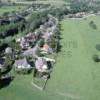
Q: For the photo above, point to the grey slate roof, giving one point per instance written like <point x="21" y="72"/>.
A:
<point x="21" y="62"/>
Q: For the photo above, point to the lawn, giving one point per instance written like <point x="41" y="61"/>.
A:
<point x="75" y="75"/>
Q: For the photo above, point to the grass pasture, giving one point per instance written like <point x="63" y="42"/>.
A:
<point x="75" y="75"/>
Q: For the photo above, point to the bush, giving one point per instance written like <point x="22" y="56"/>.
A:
<point x="93" y="25"/>
<point x="5" y="14"/>
<point x="41" y="42"/>
<point x="96" y="58"/>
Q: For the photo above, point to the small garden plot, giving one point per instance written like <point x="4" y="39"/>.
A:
<point x="39" y="83"/>
<point x="42" y="73"/>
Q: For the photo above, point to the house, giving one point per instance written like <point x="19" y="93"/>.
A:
<point x="16" y="18"/>
<point x="46" y="49"/>
<point x="43" y="67"/>
<point x="18" y="40"/>
<point x="24" y="44"/>
<point x="98" y="13"/>
<point x="34" y="52"/>
<point x="53" y="28"/>
<point x="50" y="31"/>
<point x="30" y="38"/>
<point x="80" y="14"/>
<point x="8" y="50"/>
<point x="22" y="64"/>
<point x="37" y="34"/>
<point x="42" y="27"/>
<point x="41" y="64"/>
<point x="27" y="42"/>
<point x="46" y="36"/>
<point x="52" y="20"/>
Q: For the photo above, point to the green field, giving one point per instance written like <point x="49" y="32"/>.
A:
<point x="4" y="9"/>
<point x="75" y="75"/>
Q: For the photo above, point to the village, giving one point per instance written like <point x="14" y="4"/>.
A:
<point x="49" y="49"/>
<point x="38" y="44"/>
<point x="35" y="51"/>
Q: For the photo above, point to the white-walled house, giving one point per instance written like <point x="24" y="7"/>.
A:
<point x="22" y="64"/>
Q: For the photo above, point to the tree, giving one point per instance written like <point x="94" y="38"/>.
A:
<point x="5" y="14"/>
<point x="7" y="66"/>
<point x="93" y="25"/>
<point x="0" y="74"/>
<point x="0" y="3"/>
<point x="96" y="58"/>
<point x="9" y="1"/>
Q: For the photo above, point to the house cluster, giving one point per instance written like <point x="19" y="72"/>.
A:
<point x="36" y="45"/>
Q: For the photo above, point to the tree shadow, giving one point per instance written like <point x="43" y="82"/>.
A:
<point x="5" y="82"/>
<point x="96" y="58"/>
<point x="49" y="65"/>
<point x="59" y="47"/>
<point x="60" y="38"/>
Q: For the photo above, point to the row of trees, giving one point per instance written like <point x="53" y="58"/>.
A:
<point x="11" y="29"/>
<point x="84" y="6"/>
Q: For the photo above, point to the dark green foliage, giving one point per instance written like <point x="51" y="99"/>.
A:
<point x="84" y="6"/>
<point x="36" y="20"/>
<point x="2" y="48"/>
<point x="40" y="6"/>
<point x="7" y="66"/>
<point x="78" y="6"/>
<point x="92" y="25"/>
<point x="11" y="29"/>
<point x="5" y="13"/>
<point x="40" y="42"/>
<point x="53" y="43"/>
<point x="96" y="58"/>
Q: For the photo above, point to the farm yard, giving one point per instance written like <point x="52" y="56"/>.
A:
<point x="75" y="75"/>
